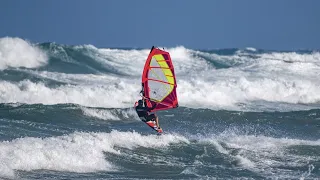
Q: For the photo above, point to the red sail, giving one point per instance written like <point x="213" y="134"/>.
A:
<point x="159" y="81"/>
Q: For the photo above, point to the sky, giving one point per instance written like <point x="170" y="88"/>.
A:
<point x="196" y="24"/>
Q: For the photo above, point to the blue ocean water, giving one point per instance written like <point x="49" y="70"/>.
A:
<point x="66" y="113"/>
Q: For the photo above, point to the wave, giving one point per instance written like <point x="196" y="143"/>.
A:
<point x="77" y="152"/>
<point x="264" y="155"/>
<point x="15" y="52"/>
<point x="110" y="114"/>
<point x="235" y="79"/>
<point x="28" y="92"/>
<point x="62" y="139"/>
<point x="88" y="152"/>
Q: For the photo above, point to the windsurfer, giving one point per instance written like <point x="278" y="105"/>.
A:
<point x="144" y="112"/>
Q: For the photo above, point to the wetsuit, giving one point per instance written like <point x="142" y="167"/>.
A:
<point x="143" y="112"/>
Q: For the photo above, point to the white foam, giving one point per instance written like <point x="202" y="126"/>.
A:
<point x="77" y="152"/>
<point x="110" y="114"/>
<point x="307" y="173"/>
<point x="231" y="91"/>
<point x="131" y="62"/>
<point x="186" y="64"/>
<point x="219" y="147"/>
<point x="263" y="154"/>
<point x="251" y="49"/>
<point x="244" y="162"/>
<point x="190" y="171"/>
<point x="16" y="52"/>
<point x="76" y="79"/>
<point x="292" y="57"/>
<point x="111" y="96"/>
<point x="253" y="81"/>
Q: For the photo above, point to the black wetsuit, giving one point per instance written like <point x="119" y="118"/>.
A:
<point x="143" y="112"/>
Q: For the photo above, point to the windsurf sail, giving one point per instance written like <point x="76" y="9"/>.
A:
<point x="159" y="81"/>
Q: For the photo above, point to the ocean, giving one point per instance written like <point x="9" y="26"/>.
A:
<point x="66" y="112"/>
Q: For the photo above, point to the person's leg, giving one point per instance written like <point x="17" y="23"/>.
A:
<point x="157" y="122"/>
<point x="150" y="117"/>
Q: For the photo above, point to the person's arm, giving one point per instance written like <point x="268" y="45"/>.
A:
<point x="146" y="104"/>
<point x="153" y="106"/>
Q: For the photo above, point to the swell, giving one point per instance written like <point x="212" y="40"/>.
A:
<point x="228" y="154"/>
<point x="197" y="143"/>
<point x="229" y="79"/>
<point x="70" y="117"/>
<point x="85" y="58"/>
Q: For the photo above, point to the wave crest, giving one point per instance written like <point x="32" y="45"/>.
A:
<point x="16" y="52"/>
